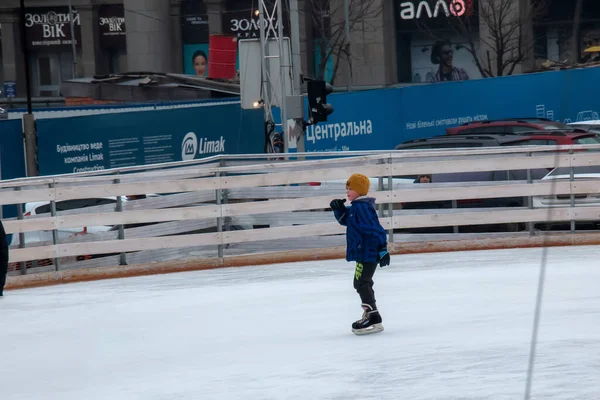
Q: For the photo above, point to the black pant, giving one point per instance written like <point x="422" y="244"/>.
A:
<point x="3" y="258"/>
<point x="3" y="269"/>
<point x="363" y="282"/>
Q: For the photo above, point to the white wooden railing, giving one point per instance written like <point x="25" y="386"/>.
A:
<point x="208" y="208"/>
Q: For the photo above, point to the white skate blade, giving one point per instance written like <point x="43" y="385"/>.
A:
<point x="367" y="331"/>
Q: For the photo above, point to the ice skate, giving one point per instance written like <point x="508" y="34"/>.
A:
<point x="369" y="323"/>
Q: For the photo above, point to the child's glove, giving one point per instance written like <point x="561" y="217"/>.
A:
<point x="384" y="257"/>
<point x="337" y="204"/>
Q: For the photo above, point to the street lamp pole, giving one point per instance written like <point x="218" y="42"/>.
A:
<point x="29" y="131"/>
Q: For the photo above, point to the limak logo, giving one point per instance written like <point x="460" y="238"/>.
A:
<point x="190" y="146"/>
<point x="457" y="8"/>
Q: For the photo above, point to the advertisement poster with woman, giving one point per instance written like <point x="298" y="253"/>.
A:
<point x="196" y="59"/>
<point x="194" y="36"/>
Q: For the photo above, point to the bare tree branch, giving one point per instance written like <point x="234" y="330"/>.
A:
<point x="575" y="50"/>
<point x="502" y="33"/>
<point x="330" y="29"/>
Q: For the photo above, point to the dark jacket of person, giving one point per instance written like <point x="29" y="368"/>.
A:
<point x="3" y="257"/>
<point x="364" y="234"/>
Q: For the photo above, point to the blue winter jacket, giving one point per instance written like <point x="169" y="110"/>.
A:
<point x="364" y="234"/>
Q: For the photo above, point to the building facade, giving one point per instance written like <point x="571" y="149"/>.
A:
<point x="391" y="41"/>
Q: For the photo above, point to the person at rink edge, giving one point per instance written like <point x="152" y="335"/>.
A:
<point x="423" y="179"/>
<point x="366" y="244"/>
<point x="3" y="259"/>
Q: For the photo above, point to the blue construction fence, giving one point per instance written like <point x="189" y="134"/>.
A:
<point x="369" y="120"/>
<point x="12" y="157"/>
<point x="382" y="119"/>
<point x="104" y="141"/>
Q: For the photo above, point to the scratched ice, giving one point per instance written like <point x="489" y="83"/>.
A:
<point x="457" y="326"/>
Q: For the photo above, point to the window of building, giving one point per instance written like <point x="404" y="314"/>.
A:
<point x="540" y="37"/>
<point x="1" y="64"/>
<point x="48" y="71"/>
<point x="114" y="62"/>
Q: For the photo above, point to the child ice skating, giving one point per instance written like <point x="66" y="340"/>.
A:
<point x="366" y="244"/>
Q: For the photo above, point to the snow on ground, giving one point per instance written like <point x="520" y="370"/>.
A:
<point x="457" y="326"/>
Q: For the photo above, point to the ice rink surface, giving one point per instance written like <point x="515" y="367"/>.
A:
<point x="457" y="326"/>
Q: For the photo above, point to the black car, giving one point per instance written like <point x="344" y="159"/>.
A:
<point x="474" y="141"/>
<point x="459" y="141"/>
<point x="466" y="142"/>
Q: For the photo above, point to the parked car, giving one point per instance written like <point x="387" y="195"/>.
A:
<point x="38" y="238"/>
<point x="532" y="138"/>
<point x="480" y="141"/>
<point x="374" y="183"/>
<point x="591" y="172"/>
<point x="592" y="126"/>
<point x="43" y="207"/>
<point x="509" y="125"/>
<point x="459" y="141"/>
<point x="558" y="137"/>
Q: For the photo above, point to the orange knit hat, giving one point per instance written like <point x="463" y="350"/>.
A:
<point x="359" y="183"/>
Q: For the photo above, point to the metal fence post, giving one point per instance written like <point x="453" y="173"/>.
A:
<point x="391" y="202"/>
<point x="55" y="239"/>
<point x="22" y="265"/>
<point x="225" y="200"/>
<point x="571" y="194"/>
<point x="530" y="198"/>
<point x="119" y="208"/>
<point x="380" y="188"/>
<point x="219" y="195"/>
<point x="455" y="206"/>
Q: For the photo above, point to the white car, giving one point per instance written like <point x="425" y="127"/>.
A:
<point x="374" y="183"/>
<point x="43" y="207"/>
<point x="564" y="200"/>
<point x="591" y="125"/>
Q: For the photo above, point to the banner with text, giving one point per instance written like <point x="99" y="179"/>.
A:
<point x="241" y="19"/>
<point x="382" y="119"/>
<point x="97" y="142"/>
<point x="194" y="36"/>
<point x="111" y="26"/>
<point x="50" y="27"/>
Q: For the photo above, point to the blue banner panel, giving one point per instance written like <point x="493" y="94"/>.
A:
<point x="382" y="119"/>
<point x="12" y="157"/>
<point x="97" y="142"/>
